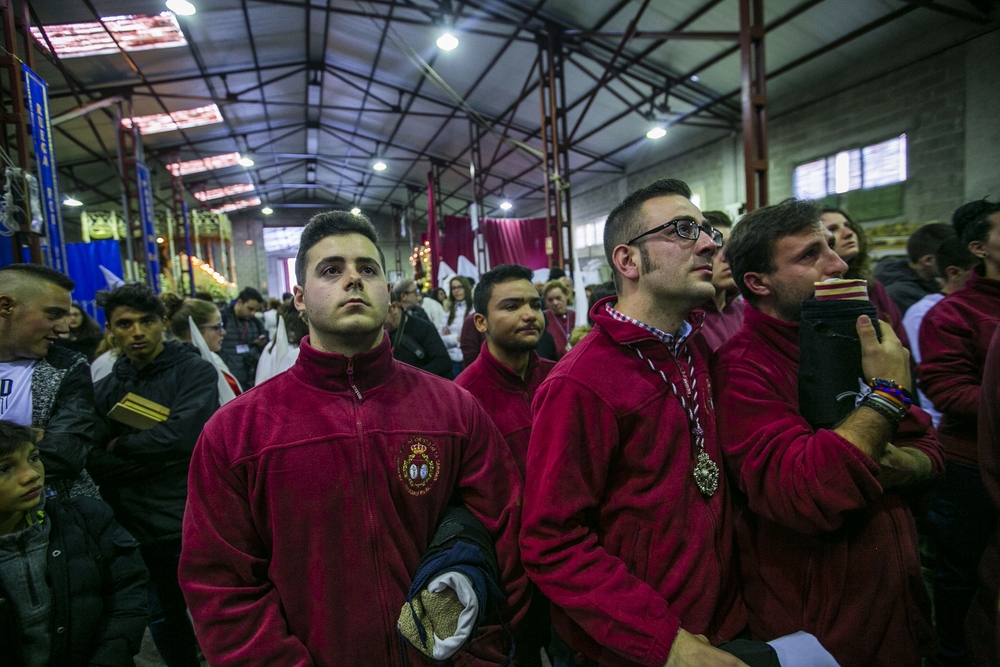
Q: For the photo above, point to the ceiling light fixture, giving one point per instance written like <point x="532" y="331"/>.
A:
<point x="181" y="7"/>
<point x="506" y="206"/>
<point x="379" y="166"/>
<point x="245" y="162"/>
<point x="656" y="133"/>
<point x="447" y="42"/>
<point x="70" y="201"/>
<point x="694" y="77"/>
<point x="267" y="210"/>
<point x="355" y="211"/>
<point x="159" y="239"/>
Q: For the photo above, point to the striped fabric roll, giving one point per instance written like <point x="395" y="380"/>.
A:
<point x="836" y="289"/>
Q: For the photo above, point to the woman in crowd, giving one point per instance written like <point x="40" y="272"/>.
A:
<point x="84" y="333"/>
<point x="451" y="328"/>
<point x="441" y="296"/>
<point x="207" y="318"/>
<point x="851" y="244"/>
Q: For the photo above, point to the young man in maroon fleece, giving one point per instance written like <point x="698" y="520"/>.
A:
<point x="827" y="542"/>
<point x="954" y="338"/>
<point x="504" y="379"/>
<point x="627" y="524"/>
<point x="313" y="496"/>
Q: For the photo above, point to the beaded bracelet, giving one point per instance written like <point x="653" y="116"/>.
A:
<point x="892" y="387"/>
<point x="888" y="410"/>
<point x="899" y="402"/>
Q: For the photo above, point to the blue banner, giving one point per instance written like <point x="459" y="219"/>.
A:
<point x="147" y="217"/>
<point x="37" y="97"/>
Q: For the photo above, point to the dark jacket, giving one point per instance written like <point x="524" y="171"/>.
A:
<point x="98" y="583"/>
<point x="144" y="478"/>
<point x="62" y="397"/>
<point x="416" y="342"/>
<point x="238" y="333"/>
<point x="904" y="286"/>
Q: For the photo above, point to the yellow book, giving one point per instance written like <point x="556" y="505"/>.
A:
<point x="139" y="412"/>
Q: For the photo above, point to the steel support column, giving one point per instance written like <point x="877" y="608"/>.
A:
<point x="127" y="139"/>
<point x="754" y="96"/>
<point x="555" y="154"/>
<point x="476" y="175"/>
<point x="14" y="118"/>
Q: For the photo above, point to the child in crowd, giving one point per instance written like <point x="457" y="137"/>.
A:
<point x="72" y="583"/>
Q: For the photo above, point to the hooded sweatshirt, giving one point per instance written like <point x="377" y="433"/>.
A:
<point x="823" y="547"/>
<point x="334" y="476"/>
<point x="903" y="285"/>
<point x="616" y="532"/>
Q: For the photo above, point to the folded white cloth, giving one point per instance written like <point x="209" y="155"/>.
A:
<point x="447" y="647"/>
<point x="802" y="650"/>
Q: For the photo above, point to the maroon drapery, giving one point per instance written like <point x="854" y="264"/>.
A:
<point x="516" y="241"/>
<point x="458" y="239"/>
<point x="432" y="229"/>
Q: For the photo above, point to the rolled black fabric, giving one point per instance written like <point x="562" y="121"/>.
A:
<point x="830" y="359"/>
<point x="753" y="653"/>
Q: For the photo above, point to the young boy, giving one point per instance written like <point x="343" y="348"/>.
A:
<point x="72" y="583"/>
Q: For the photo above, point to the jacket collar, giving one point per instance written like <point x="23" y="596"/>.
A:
<point x="782" y="335"/>
<point x="711" y="306"/>
<point x="329" y="372"/>
<point x="979" y="283"/>
<point x="504" y="376"/>
<point x="626" y="333"/>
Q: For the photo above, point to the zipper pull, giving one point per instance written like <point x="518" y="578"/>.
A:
<point x="350" y="378"/>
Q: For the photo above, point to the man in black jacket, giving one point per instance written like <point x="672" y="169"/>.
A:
<point x="43" y="385"/>
<point x="908" y="280"/>
<point x="245" y="337"/>
<point x="415" y="341"/>
<point x="143" y="473"/>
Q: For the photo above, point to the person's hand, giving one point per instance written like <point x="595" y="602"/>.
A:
<point x="260" y="341"/>
<point x="887" y="360"/>
<point x="446" y="331"/>
<point x="901" y="466"/>
<point x="694" y="651"/>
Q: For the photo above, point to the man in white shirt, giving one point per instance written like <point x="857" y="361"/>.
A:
<point x="954" y="262"/>
<point x="43" y="385"/>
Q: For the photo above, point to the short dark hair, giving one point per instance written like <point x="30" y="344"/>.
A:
<point x="333" y="223"/>
<point x="496" y="276"/>
<point x="751" y="246"/>
<point x="250" y="294"/>
<point x="952" y="252"/>
<point x="287" y="296"/>
<point x="136" y="296"/>
<point x="718" y="219"/>
<point x="201" y="295"/>
<point x="13" y="437"/>
<point x="40" y="272"/>
<point x="625" y="220"/>
<point x="927" y="239"/>
<point x="598" y="293"/>
<point x="971" y="221"/>
<point x="556" y="273"/>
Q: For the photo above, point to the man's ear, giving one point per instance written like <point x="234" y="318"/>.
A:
<point x="624" y="258"/>
<point x="978" y="248"/>
<point x="480" y="321"/>
<point x="759" y="284"/>
<point x="6" y="305"/>
<point x="298" y="298"/>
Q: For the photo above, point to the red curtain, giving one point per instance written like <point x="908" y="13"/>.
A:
<point x="432" y="229"/>
<point x="516" y="241"/>
<point x="458" y="239"/>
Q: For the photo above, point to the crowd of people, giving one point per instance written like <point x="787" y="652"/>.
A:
<point x="648" y="485"/>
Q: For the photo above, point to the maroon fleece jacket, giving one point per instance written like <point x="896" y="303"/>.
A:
<point x="823" y="547"/>
<point x="506" y="396"/>
<point x="560" y="333"/>
<point x="954" y="338"/>
<point x="615" y="532"/>
<point x="312" y="498"/>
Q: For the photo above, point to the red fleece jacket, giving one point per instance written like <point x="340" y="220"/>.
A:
<point x="954" y="338"/>
<point x="823" y="547"/>
<point x="506" y="396"/>
<point x="561" y="328"/>
<point x="615" y="531"/>
<point x="312" y="498"/>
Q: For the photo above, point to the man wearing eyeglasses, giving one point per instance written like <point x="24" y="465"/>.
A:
<point x="626" y="521"/>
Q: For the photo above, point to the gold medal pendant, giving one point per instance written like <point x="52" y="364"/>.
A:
<point x="706" y="474"/>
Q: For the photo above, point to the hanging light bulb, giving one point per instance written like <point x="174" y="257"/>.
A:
<point x="506" y="206"/>
<point x="267" y="210"/>
<point x="355" y="211"/>
<point x="246" y="162"/>
<point x="379" y="166"/>
<point x="70" y="201"/>
<point x="656" y="133"/>
<point x="181" y="7"/>
<point x="447" y="42"/>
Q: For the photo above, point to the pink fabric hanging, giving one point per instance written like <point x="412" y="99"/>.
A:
<point x="516" y="241"/>
<point x="458" y="239"/>
<point x="432" y="229"/>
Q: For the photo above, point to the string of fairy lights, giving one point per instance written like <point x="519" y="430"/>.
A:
<point x="420" y="260"/>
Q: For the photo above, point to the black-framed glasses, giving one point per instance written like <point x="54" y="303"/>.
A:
<point x="686" y="229"/>
<point x="214" y="327"/>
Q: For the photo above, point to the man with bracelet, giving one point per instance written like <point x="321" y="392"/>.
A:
<point x="827" y="540"/>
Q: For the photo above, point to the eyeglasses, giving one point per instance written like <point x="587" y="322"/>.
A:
<point x="412" y="291"/>
<point x="686" y="229"/>
<point x="214" y="327"/>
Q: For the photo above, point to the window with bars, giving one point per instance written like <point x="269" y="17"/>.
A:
<point x="879" y="164"/>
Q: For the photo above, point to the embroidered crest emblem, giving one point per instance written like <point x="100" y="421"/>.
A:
<point x="418" y="465"/>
